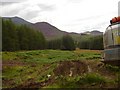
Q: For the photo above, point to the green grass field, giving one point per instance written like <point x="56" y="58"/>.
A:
<point x="57" y="69"/>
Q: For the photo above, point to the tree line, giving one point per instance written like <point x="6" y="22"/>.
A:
<point x="23" y="37"/>
<point x="64" y="43"/>
<point x="20" y="37"/>
<point x="67" y="43"/>
<point x="92" y="43"/>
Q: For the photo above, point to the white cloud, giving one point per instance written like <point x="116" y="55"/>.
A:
<point x="68" y="15"/>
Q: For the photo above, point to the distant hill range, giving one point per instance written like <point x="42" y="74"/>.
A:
<point x="50" y="31"/>
<point x="93" y="33"/>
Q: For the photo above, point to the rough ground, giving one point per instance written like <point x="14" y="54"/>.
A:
<point x="57" y="69"/>
<point x="65" y="68"/>
<point x="70" y="68"/>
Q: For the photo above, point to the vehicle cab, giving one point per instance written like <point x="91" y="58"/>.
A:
<point x="111" y="39"/>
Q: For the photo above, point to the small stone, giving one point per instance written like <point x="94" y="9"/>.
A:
<point x="48" y="75"/>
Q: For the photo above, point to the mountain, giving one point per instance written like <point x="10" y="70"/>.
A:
<point x="49" y="31"/>
<point x="93" y="33"/>
<point x="96" y="33"/>
<point x="18" y="20"/>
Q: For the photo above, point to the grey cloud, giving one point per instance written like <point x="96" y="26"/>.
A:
<point x="13" y="12"/>
<point x="103" y="23"/>
<point x="13" y="0"/>
<point x="89" y="18"/>
<point x="6" y="3"/>
<point x="30" y="15"/>
<point x="99" y="26"/>
<point x="44" y="7"/>
<point x="9" y="2"/>
<point x="119" y="8"/>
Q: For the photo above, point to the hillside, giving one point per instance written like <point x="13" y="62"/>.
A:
<point x="18" y="20"/>
<point x="50" y="31"/>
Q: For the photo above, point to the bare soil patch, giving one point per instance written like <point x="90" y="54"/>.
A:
<point x="70" y="68"/>
<point x="12" y="63"/>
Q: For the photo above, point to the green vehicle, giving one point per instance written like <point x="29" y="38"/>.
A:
<point x="111" y="39"/>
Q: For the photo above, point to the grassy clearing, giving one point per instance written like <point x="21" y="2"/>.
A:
<point x="48" y="56"/>
<point x="36" y="69"/>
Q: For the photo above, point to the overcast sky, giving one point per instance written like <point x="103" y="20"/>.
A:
<point x="67" y="15"/>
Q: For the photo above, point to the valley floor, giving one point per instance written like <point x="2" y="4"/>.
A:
<point x="58" y="69"/>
